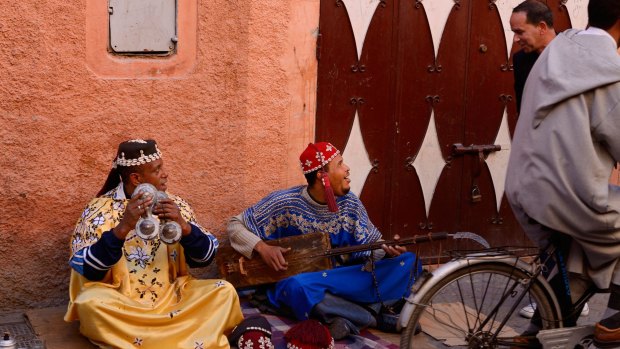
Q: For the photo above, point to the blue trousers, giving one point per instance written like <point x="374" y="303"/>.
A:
<point x="347" y="292"/>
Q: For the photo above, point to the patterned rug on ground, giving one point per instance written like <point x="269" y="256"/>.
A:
<point x="279" y="326"/>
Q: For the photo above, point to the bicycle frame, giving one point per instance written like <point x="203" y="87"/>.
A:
<point x="424" y="284"/>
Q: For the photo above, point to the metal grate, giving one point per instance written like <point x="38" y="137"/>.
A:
<point x="23" y="334"/>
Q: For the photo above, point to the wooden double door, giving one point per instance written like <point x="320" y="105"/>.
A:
<point x="419" y="95"/>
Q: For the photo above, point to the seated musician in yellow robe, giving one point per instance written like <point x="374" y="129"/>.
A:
<point x="129" y="292"/>
<point x="348" y="298"/>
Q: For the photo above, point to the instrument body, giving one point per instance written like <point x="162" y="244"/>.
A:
<point x="302" y="258"/>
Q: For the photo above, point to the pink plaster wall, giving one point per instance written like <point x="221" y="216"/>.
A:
<point x="230" y="125"/>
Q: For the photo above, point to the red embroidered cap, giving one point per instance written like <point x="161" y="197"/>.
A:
<point x="316" y="156"/>
<point x="309" y="334"/>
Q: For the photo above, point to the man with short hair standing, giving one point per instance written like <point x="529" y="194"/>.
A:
<point x="565" y="145"/>
<point x="129" y="292"/>
<point x="532" y="24"/>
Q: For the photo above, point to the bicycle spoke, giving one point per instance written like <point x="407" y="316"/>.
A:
<point x="438" y="315"/>
<point x="477" y="307"/>
<point x="463" y="303"/>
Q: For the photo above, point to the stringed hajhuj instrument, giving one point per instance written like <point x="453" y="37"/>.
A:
<point x="243" y="272"/>
<point x="309" y="252"/>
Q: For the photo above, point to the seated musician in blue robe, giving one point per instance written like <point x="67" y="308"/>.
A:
<point x="351" y="296"/>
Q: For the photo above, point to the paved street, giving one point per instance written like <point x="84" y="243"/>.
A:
<point x="597" y="304"/>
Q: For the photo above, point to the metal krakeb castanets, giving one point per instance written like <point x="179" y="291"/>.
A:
<point x="148" y="226"/>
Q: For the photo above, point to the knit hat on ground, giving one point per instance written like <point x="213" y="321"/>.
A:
<point x="309" y="334"/>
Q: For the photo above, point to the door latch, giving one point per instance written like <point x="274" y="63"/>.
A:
<point x="482" y="150"/>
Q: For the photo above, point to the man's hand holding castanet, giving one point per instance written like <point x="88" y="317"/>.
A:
<point x="136" y="208"/>
<point x="167" y="210"/>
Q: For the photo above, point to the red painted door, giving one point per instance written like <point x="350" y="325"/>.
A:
<point x="397" y="94"/>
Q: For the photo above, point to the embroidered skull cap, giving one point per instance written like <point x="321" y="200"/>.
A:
<point x="316" y="156"/>
<point x="136" y="152"/>
<point x="254" y="332"/>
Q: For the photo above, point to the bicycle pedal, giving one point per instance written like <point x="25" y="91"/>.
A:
<point x="566" y="338"/>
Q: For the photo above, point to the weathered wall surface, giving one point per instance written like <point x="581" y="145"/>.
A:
<point x="231" y="124"/>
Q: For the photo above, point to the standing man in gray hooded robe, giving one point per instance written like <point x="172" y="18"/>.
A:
<point x="565" y="146"/>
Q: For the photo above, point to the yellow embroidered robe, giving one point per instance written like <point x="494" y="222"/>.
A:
<point x="147" y="300"/>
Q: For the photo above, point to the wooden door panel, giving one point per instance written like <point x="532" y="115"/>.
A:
<point x="480" y="217"/>
<point x="416" y="83"/>
<point x="509" y="226"/>
<point x="451" y="74"/>
<point x="374" y="199"/>
<point x="350" y="86"/>
<point x="376" y="111"/>
<point x="561" y="18"/>
<point x="409" y="215"/>
<point x="445" y="210"/>
<point x="488" y="91"/>
<point x="337" y="82"/>
<point x="488" y="76"/>
<point x="448" y="106"/>
<point x="374" y="84"/>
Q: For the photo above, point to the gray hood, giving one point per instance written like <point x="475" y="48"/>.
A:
<point x="562" y="78"/>
<point x="564" y="148"/>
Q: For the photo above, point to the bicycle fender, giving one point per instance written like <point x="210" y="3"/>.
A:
<point x="424" y="283"/>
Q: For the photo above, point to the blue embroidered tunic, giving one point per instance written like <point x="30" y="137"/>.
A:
<point x="292" y="212"/>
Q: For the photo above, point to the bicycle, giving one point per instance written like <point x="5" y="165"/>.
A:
<point x="473" y="301"/>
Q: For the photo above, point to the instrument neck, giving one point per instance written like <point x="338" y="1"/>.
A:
<point x="377" y="245"/>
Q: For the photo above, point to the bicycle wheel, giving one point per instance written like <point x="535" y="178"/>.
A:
<point x="467" y="308"/>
